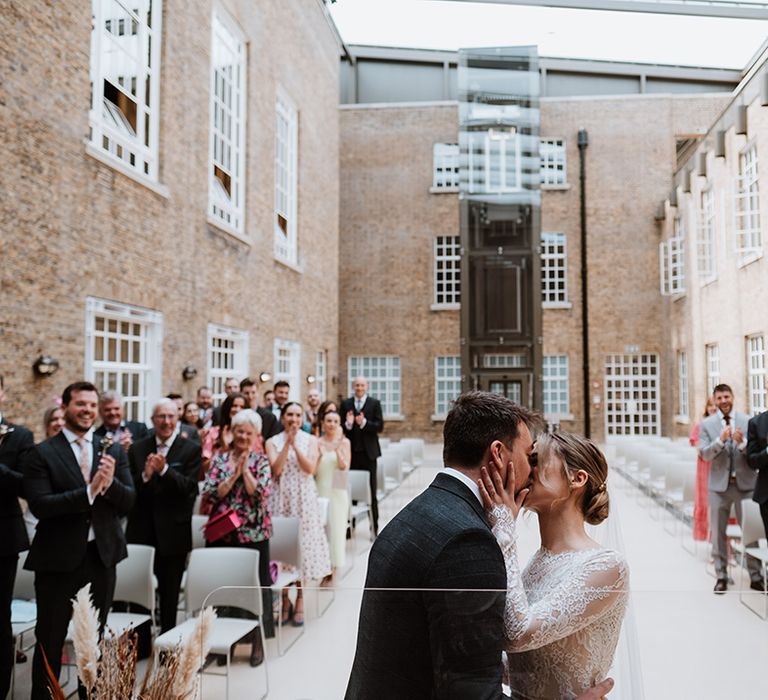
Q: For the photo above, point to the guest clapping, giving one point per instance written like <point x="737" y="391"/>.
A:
<point x="293" y="455"/>
<point x="219" y="437"/>
<point x="335" y="453"/>
<point x="240" y="479"/>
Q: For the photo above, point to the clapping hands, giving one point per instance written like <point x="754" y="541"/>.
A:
<point x="104" y="476"/>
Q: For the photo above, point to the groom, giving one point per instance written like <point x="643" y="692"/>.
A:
<point x="441" y="635"/>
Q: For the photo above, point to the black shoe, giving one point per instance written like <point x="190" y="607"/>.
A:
<point x="721" y="586"/>
<point x="257" y="653"/>
<point x="758" y="586"/>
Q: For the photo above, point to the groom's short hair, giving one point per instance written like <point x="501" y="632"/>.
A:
<point x="476" y="419"/>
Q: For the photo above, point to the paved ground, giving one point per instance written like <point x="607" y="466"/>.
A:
<point x="691" y="643"/>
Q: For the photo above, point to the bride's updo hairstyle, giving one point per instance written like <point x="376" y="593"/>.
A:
<point x="576" y="452"/>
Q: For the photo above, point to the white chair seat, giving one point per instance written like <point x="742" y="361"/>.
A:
<point x="119" y="622"/>
<point x="226" y="632"/>
<point x="733" y="532"/>
<point x="21" y="628"/>
<point x="285" y="579"/>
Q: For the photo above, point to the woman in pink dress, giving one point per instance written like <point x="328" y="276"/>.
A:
<point x="700" y="506"/>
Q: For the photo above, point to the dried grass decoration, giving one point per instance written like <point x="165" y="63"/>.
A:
<point x="107" y="667"/>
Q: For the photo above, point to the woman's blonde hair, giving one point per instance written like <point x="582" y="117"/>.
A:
<point x="579" y="453"/>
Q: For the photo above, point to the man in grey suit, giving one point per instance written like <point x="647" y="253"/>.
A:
<point x="723" y="442"/>
<point x="431" y="620"/>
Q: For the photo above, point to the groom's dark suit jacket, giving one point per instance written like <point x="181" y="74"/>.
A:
<point x="423" y="642"/>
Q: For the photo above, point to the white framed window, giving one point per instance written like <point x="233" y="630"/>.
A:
<point x="447" y="271"/>
<point x="672" y="261"/>
<point x="494" y="162"/>
<point x="498" y="360"/>
<point x="748" y="238"/>
<point x="712" y="354"/>
<point x="632" y="394"/>
<point x="445" y="167"/>
<point x="226" y="181"/>
<point x="124" y="353"/>
<point x="227" y="357"/>
<point x="554" y="273"/>
<point x="552" y="162"/>
<point x="288" y="366"/>
<point x="286" y="179"/>
<point x="756" y="373"/>
<point x="555" y="387"/>
<point x="383" y="375"/>
<point x="447" y="383"/>
<point x="125" y="71"/>
<point x="321" y="373"/>
<point x="682" y="385"/>
<point x="705" y="241"/>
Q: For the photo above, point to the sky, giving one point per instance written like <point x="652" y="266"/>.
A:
<point x="613" y="36"/>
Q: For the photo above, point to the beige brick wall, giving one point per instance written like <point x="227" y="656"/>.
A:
<point x="727" y="309"/>
<point x="74" y="227"/>
<point x="389" y="220"/>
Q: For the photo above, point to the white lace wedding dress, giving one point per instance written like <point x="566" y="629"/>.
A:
<point x="562" y="616"/>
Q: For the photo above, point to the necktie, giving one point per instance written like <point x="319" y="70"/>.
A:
<point x="358" y="405"/>
<point x="162" y="449"/>
<point x="729" y="447"/>
<point x="85" y="466"/>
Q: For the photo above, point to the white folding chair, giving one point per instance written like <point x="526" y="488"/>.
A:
<point x="24" y="607"/>
<point x="392" y="466"/>
<point x="198" y="536"/>
<point x="360" y="491"/>
<point x="221" y="576"/>
<point x="417" y="450"/>
<point x="752" y="530"/>
<point x="134" y="583"/>
<point x="285" y="547"/>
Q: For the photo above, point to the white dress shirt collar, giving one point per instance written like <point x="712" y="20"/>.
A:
<point x="466" y="480"/>
<point x="361" y="401"/>
<point x="72" y="437"/>
<point x="168" y="443"/>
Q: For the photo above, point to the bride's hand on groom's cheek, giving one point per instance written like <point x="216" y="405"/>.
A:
<point x="495" y="490"/>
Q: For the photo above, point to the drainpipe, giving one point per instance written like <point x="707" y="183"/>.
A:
<point x="583" y="142"/>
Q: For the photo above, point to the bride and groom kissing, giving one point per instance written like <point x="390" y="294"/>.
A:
<point x="445" y="596"/>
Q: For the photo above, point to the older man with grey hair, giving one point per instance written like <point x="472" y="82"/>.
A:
<point x="165" y="468"/>
<point x="112" y="414"/>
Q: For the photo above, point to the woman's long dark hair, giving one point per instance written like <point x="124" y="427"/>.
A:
<point x="317" y="426"/>
<point x="225" y="420"/>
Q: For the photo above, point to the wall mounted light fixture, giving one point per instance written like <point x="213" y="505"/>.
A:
<point x="45" y="365"/>
<point x="265" y="377"/>
<point x="311" y="379"/>
<point x="189" y="372"/>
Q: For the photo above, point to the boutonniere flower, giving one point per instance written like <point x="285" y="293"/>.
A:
<point x="184" y="434"/>
<point x="5" y="429"/>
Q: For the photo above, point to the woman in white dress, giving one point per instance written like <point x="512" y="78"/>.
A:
<point x="293" y="455"/>
<point x="563" y="615"/>
<point x="335" y="453"/>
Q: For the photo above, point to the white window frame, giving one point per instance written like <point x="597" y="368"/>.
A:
<point x="552" y="171"/>
<point x="672" y="263"/>
<point x="447" y="383"/>
<point x="556" y="397"/>
<point x="131" y="148"/>
<point x="632" y="394"/>
<point x="287" y="366"/>
<point x="705" y="240"/>
<point x="119" y="325"/>
<point x="447" y="269"/>
<point x="226" y="207"/>
<point x="226" y="356"/>
<point x="682" y="387"/>
<point x="712" y="355"/>
<point x="286" y="179"/>
<point x="748" y="243"/>
<point x="384" y="380"/>
<point x="321" y="373"/>
<point x="488" y="157"/>
<point x="445" y="168"/>
<point x="554" y="269"/>
<point x="755" y="346"/>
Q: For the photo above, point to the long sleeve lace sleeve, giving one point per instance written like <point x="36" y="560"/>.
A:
<point x="594" y="584"/>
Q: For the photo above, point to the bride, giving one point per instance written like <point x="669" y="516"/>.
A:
<point x="563" y="615"/>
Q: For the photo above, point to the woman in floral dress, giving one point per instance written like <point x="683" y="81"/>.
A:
<point x="241" y="479"/>
<point x="293" y="455"/>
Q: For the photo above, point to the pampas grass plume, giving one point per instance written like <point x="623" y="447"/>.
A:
<point x="192" y="655"/>
<point x="85" y="623"/>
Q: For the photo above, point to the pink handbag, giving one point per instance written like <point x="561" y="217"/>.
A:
<point x="222" y="524"/>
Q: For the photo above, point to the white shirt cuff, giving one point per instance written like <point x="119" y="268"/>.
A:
<point x="362" y="425"/>
<point x="91" y="497"/>
<point x="165" y="469"/>
<point x="349" y="425"/>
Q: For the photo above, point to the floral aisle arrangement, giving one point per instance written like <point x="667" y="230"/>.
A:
<point x="106" y="667"/>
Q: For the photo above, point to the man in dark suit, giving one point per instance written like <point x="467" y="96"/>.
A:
<point x="164" y="469"/>
<point x="112" y="415"/>
<point x="14" y="442"/>
<point x="363" y="421"/>
<point x="269" y="424"/>
<point x="78" y="489"/>
<point x="757" y="455"/>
